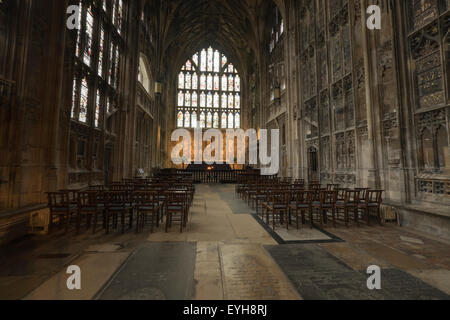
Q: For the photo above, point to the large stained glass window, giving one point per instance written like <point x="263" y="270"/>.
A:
<point x="208" y="87"/>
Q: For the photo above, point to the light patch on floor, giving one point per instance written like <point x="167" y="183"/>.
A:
<point x="212" y="220"/>
<point x="439" y="279"/>
<point x="302" y="234"/>
<point x="249" y="273"/>
<point x="411" y="240"/>
<point x="96" y="269"/>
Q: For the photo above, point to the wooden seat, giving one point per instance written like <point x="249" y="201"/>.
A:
<point x="60" y="205"/>
<point x="175" y="206"/>
<point x="302" y="202"/>
<point x="277" y="204"/>
<point x="145" y="203"/>
<point x="372" y="201"/>
<point x="350" y="202"/>
<point x="332" y="187"/>
<point x="89" y="206"/>
<point x="326" y="203"/>
<point x="117" y="202"/>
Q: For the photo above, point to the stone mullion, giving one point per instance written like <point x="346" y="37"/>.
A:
<point x="372" y="180"/>
<point x="357" y="162"/>
<point x="317" y="74"/>
<point x="329" y="87"/>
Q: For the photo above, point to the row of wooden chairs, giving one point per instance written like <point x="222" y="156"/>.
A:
<point x="282" y="199"/>
<point x="153" y="201"/>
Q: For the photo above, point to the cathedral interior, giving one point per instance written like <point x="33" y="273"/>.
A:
<point x="91" y="92"/>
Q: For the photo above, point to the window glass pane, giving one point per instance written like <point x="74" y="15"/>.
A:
<point x="216" y="83"/>
<point x="202" y="100"/>
<point x="237" y="120"/>
<point x="209" y="120"/>
<point x="230" y="121"/>
<point x="194" y="119"/>
<point x="202" y="82"/>
<point x="97" y="109"/>
<point x="216" y="100"/>
<point x="209" y="101"/>
<point x="101" y="52"/>
<point x="237" y="101"/>
<point x="224" y="83"/>
<point x="230" y="83"/>
<point x="180" y="99"/>
<point x="187" y="118"/>
<point x="180" y="119"/>
<point x="209" y="82"/>
<point x="187" y="99"/>
<point x="224" y="101"/>
<point x="202" y="120"/>
<point x="195" y="58"/>
<point x="203" y="61"/>
<point x="230" y="101"/>
<point x="188" y="81"/>
<point x="216" y="61"/>
<point x="82" y="116"/>
<point x="216" y="120"/>
<point x="210" y="59"/>
<point x="89" y="32"/>
<point x="181" y="81"/>
<point x="194" y="81"/>
<point x="194" y="99"/>
<point x="224" y="120"/>
<point x="74" y="97"/>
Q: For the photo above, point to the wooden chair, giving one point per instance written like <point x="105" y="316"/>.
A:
<point x="60" y="205"/>
<point x="89" y="207"/>
<point x="326" y="202"/>
<point x="145" y="203"/>
<point x="301" y="203"/>
<point x="350" y="202"/>
<point x="332" y="187"/>
<point x="277" y="205"/>
<point x="175" y="205"/>
<point x="372" y="201"/>
<point x="116" y="202"/>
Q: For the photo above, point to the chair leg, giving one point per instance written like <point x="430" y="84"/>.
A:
<point x="333" y="213"/>
<point x="368" y="216"/>
<point x="94" y="228"/>
<point x="78" y="222"/>
<point x="346" y="216"/>
<point x="123" y="221"/>
<point x="356" y="213"/>
<point x="67" y="222"/>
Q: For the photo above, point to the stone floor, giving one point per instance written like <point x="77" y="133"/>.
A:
<point x="227" y="252"/>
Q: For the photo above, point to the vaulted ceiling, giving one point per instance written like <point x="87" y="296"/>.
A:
<point x="236" y="27"/>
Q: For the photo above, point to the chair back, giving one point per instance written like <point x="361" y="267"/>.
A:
<point x="302" y="196"/>
<point x="341" y="192"/>
<point x="58" y="200"/>
<point x="363" y="192"/>
<point x="145" y="199"/>
<point x="374" y="196"/>
<point x="87" y="199"/>
<point x="96" y="188"/>
<point x="352" y="197"/>
<point x="327" y="197"/>
<point x="332" y="187"/>
<point x="280" y="197"/>
<point x="116" y="198"/>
